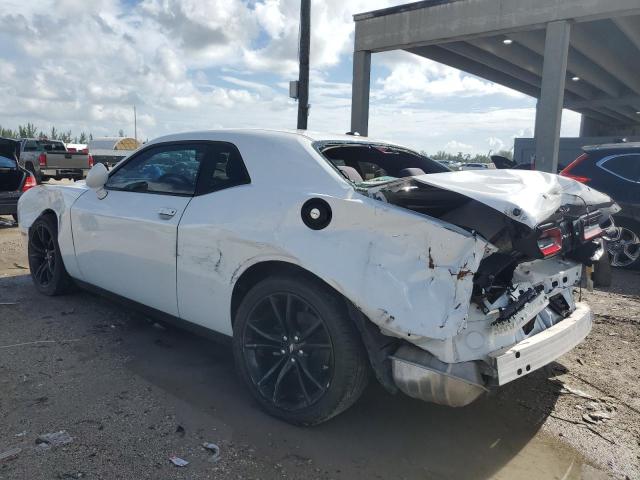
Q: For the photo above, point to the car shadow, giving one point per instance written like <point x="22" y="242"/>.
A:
<point x="389" y="436"/>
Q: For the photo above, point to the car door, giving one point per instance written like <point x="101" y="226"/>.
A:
<point x="621" y="180"/>
<point x="212" y="238"/>
<point x="125" y="242"/>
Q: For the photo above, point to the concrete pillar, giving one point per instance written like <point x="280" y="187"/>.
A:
<point x="360" y="92"/>
<point x="549" y="109"/>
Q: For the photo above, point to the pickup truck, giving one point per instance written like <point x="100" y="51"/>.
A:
<point x="48" y="159"/>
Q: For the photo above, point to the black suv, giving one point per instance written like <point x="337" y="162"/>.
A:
<point x="614" y="169"/>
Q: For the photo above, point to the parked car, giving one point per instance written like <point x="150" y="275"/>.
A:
<point x="475" y="166"/>
<point x="14" y="180"/>
<point x="451" y="164"/>
<point x="48" y="159"/>
<point x="615" y="170"/>
<point x="444" y="284"/>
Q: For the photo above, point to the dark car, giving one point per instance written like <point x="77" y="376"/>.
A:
<point x="614" y="169"/>
<point x="14" y="180"/>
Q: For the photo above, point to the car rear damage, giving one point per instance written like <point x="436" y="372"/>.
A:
<point x="540" y="230"/>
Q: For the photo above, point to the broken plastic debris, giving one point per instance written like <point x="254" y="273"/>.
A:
<point x="48" y="440"/>
<point x="10" y="454"/>
<point x="213" y="448"/>
<point x="178" y="462"/>
<point x="575" y="391"/>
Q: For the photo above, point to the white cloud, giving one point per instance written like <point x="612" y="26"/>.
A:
<point x="194" y="64"/>
<point x="455" y="146"/>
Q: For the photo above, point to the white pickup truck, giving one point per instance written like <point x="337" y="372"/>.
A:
<point x="48" y="159"/>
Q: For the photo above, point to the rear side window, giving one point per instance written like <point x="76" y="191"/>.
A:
<point x="31" y="146"/>
<point x="7" y="162"/>
<point x="54" y="147"/>
<point x="225" y="169"/>
<point x="626" y="166"/>
<point x="375" y="162"/>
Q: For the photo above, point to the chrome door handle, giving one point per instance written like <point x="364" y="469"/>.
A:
<point x="167" y="212"/>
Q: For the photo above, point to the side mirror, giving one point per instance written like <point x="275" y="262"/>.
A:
<point x="97" y="176"/>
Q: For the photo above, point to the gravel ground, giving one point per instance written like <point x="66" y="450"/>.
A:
<point x="130" y="395"/>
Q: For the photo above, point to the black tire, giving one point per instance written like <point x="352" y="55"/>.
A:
<point x="620" y="259"/>
<point x="45" y="262"/>
<point x="329" y="379"/>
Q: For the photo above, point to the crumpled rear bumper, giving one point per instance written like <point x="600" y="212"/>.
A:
<point x="419" y="374"/>
<point x="543" y="348"/>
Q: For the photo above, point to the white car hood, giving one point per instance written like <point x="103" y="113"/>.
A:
<point x="529" y="197"/>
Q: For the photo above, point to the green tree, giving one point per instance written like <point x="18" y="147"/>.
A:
<point x="82" y="138"/>
<point x="121" y="133"/>
<point x="27" y="131"/>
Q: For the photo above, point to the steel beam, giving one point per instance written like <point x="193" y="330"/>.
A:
<point x="577" y="63"/>
<point x="492" y="61"/>
<point x="609" y="60"/>
<point x="603" y="102"/>
<point x="360" y="92"/>
<point x="549" y="110"/>
<point x="630" y="26"/>
<point x="455" y="60"/>
<point x="529" y="60"/>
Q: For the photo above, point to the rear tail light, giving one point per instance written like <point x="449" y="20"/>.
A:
<point x="550" y="241"/>
<point x="30" y="182"/>
<point x="90" y="161"/>
<point x="567" y="170"/>
<point x="42" y="159"/>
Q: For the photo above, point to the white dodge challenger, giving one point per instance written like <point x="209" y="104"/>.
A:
<point x="331" y="257"/>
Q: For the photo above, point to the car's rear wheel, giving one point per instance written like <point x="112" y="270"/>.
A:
<point x="298" y="351"/>
<point x="624" y="244"/>
<point x="45" y="261"/>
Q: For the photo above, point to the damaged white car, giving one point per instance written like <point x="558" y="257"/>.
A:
<point x="328" y="257"/>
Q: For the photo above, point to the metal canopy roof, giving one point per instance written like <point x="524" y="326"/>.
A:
<point x="504" y="41"/>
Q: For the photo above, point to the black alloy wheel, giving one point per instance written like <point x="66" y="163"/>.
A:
<point x="298" y="351"/>
<point x="288" y="351"/>
<point x="45" y="262"/>
<point x="623" y="244"/>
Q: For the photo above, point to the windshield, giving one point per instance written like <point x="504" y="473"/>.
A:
<point x="368" y="164"/>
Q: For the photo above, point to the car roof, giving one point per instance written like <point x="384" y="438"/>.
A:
<point x="612" y="146"/>
<point x="265" y="133"/>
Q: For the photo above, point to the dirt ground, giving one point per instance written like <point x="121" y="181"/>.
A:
<point x="129" y="395"/>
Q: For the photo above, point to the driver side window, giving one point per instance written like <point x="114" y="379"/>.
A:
<point x="168" y="169"/>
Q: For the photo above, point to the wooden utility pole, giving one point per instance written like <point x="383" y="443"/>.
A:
<point x="135" y="124"/>
<point x="303" y="78"/>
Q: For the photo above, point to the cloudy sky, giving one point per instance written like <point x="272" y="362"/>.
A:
<point x="198" y="64"/>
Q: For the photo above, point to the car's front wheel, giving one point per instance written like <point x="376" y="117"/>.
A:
<point x="45" y="261"/>
<point x="298" y="351"/>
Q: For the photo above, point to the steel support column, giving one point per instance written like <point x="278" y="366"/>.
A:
<point x="360" y="92"/>
<point x="549" y="109"/>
